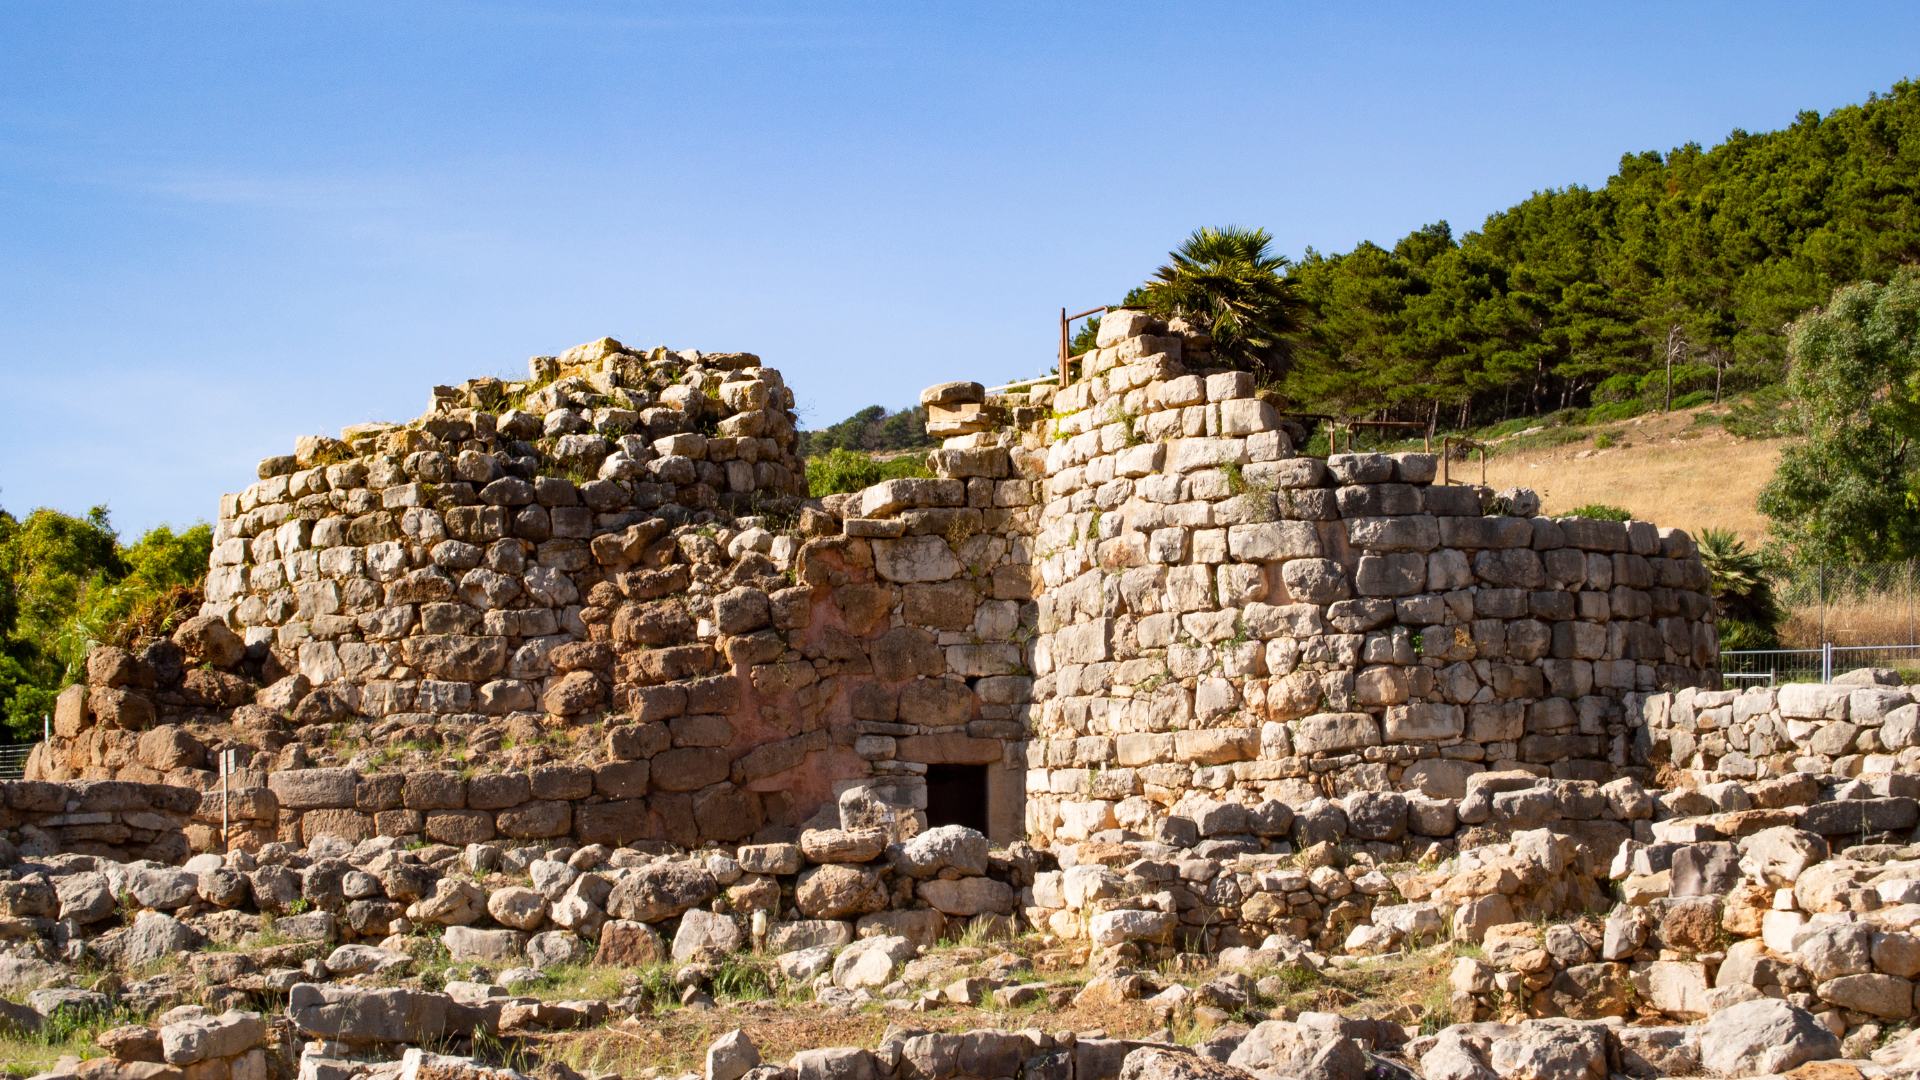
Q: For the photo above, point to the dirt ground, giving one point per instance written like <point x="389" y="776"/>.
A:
<point x="1668" y="469"/>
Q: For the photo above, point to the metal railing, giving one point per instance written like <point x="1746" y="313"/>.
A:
<point x="1813" y="665"/>
<point x="13" y="761"/>
<point x="1333" y="437"/>
<point x="1066" y="321"/>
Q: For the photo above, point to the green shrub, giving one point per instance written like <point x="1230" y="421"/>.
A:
<point x="67" y="583"/>
<point x="1763" y="414"/>
<point x="1607" y="412"/>
<point x="1747" y="611"/>
<point x="1599" y="512"/>
<point x="849" y="470"/>
<point x="1603" y="441"/>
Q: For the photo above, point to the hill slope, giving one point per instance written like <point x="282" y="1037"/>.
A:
<point x="1675" y="469"/>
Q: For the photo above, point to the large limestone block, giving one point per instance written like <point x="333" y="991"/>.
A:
<point x="843" y="845"/>
<point x="705" y="936"/>
<point x="1109" y="928"/>
<point x="1157" y="1063"/>
<point x="1288" y="1048"/>
<point x="313" y="789"/>
<point x="1333" y="732"/>
<point x="359" y="1016"/>
<point x="1814" y="701"/>
<point x="967" y="897"/>
<point x="945" y="848"/>
<point x="1756" y="1038"/>
<point x="1272" y="541"/>
<point x="203" y="1038"/>
<point x="914" y="559"/>
<point x="839" y="891"/>
<point x="661" y="891"/>
<point x="1543" y="1050"/>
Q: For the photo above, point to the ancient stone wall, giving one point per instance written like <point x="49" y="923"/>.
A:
<point x="593" y="605"/>
<point x="115" y="819"/>
<point x="1224" y="619"/>
<point x="675" y="649"/>
<point x="1823" y="729"/>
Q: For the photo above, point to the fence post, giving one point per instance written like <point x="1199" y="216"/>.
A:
<point x="1820" y="583"/>
<point x="1826" y="661"/>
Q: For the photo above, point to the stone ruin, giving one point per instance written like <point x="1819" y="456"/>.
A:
<point x="571" y="671"/>
<point x="595" y="604"/>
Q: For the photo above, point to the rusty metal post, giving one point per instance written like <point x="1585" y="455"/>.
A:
<point x="1063" y="348"/>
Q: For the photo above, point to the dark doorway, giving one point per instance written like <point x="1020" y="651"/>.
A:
<point x="957" y="795"/>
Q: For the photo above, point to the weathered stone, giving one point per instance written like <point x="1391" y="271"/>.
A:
<point x="839" y="891"/>
<point x="661" y="891"/>
<point x="1762" y="1037"/>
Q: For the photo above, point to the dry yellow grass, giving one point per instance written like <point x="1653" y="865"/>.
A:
<point x="1661" y="468"/>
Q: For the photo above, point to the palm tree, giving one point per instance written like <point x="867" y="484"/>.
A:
<point x="1229" y="284"/>
<point x="1744" y="606"/>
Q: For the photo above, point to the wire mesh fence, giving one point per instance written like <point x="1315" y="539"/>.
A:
<point x="1739" y="667"/>
<point x="13" y="761"/>
<point x="1863" y="604"/>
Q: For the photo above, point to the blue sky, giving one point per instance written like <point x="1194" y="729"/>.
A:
<point x="226" y="225"/>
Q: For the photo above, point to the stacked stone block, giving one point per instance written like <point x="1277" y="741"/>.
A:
<point x="1843" y="729"/>
<point x="1127" y="599"/>
<point x="1223" y="618"/>
<point x="110" y="818"/>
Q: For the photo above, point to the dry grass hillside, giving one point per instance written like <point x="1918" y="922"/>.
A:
<point x="1681" y="469"/>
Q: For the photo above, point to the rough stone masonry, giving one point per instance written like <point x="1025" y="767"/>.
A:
<point x="596" y="604"/>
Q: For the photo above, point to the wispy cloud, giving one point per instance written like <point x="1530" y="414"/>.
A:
<point x="269" y="191"/>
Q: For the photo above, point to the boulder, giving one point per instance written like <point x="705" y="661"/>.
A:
<point x="206" y="639"/>
<point x="870" y="962"/>
<point x="661" y="891"/>
<point x="731" y="1055"/>
<point x="1287" y="1048"/>
<point x="967" y="897"/>
<point x="1887" y="996"/>
<point x="1158" y="1063"/>
<point x="624" y="943"/>
<point x="843" y="845"/>
<point x="834" y="1063"/>
<point x="1832" y="952"/>
<point x="202" y="1038"/>
<point x="1460" y="1053"/>
<point x="1109" y="928"/>
<point x="839" y="891"/>
<point x="801" y="965"/>
<point x="808" y="934"/>
<point x="705" y="937"/>
<point x="154" y="937"/>
<point x="1764" y="1036"/>
<point x="453" y="902"/>
<point x="944" y="847"/>
<point x="1551" y="1050"/>
<point x="364" y="959"/>
<point x="1778" y="856"/>
<point x="518" y="908"/>
<point x="467" y="944"/>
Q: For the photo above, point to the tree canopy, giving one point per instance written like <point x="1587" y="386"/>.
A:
<point x="68" y="583"/>
<point x="1849" y="491"/>
<point x="1230" y="283"/>
<point x="872" y="428"/>
<point x="1578" y="297"/>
